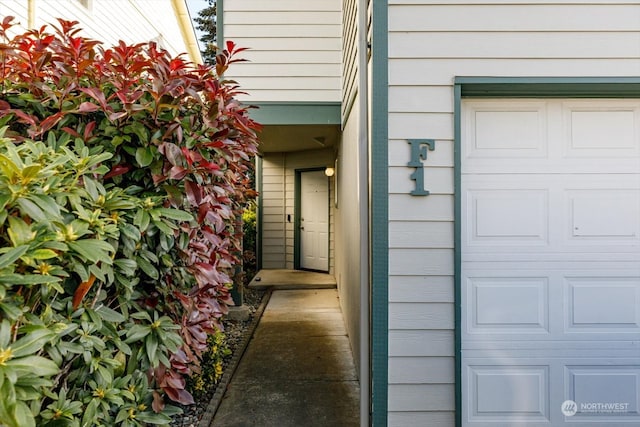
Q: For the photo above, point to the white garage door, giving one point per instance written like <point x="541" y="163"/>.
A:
<point x="550" y="262"/>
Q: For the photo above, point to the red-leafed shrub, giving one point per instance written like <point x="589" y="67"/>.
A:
<point x="122" y="172"/>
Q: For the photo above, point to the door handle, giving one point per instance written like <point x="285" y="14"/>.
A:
<point x="301" y="228"/>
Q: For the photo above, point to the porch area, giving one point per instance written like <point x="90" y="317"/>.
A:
<point x="292" y="279"/>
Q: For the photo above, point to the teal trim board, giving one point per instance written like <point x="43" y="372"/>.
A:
<point x="260" y="209"/>
<point x="514" y="87"/>
<point x="297" y="199"/>
<point x="549" y="87"/>
<point x="296" y="113"/>
<point x="457" y="105"/>
<point x="379" y="215"/>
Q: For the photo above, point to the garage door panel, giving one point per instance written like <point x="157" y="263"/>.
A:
<point x="508" y="305"/>
<point x="609" y="305"/>
<point x="605" y="218"/>
<point x="516" y="131"/>
<point x="508" y="393"/>
<point x="604" y="392"/>
<point x="509" y="215"/>
<point x="596" y="130"/>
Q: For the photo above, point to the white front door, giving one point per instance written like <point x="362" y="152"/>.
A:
<point x="550" y="269"/>
<point x="314" y="221"/>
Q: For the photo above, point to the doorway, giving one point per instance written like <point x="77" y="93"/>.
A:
<point x="313" y="221"/>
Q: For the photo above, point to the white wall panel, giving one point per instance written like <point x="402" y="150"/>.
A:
<point x="281" y="35"/>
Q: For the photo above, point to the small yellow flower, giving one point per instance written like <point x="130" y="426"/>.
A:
<point x="44" y="268"/>
<point x="99" y="392"/>
<point x="5" y="355"/>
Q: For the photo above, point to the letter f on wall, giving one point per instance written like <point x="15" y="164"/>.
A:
<point x="419" y="152"/>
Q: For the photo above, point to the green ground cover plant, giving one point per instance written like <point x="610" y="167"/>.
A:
<point x="122" y="173"/>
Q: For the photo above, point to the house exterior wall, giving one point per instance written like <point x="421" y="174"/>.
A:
<point x="107" y="21"/>
<point x="348" y="236"/>
<point x="294" y="49"/>
<point x="430" y="42"/>
<point x="278" y="204"/>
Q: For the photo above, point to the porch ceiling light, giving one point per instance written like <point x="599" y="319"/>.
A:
<point x="329" y="171"/>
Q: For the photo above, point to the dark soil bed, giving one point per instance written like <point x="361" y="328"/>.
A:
<point x="236" y="333"/>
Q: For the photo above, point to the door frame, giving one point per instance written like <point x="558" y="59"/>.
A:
<point x="297" y="207"/>
<point x="504" y="88"/>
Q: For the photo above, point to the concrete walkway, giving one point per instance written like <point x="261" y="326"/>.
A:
<point x="298" y="369"/>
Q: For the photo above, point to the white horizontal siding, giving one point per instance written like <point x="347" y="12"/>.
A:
<point x="417" y="397"/>
<point x="423" y="99"/>
<point x="426" y="289"/>
<point x="294" y="57"/>
<point x="418" y="72"/>
<point x="420" y="234"/>
<point x="283" y="5"/>
<point x="283" y="37"/>
<point x="518" y="45"/>
<point x="429" y="262"/>
<point x="408" y="316"/>
<point x="430" y="43"/>
<point x="420" y="343"/>
<point x="422" y="418"/>
<point x="268" y="17"/>
<point x="421" y="17"/>
<point x="109" y="21"/>
<point x="435" y="207"/>
<point x="416" y="370"/>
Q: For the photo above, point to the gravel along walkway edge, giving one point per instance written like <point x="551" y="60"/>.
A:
<point x="215" y="401"/>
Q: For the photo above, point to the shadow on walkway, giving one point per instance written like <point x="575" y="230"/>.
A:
<point x="298" y="369"/>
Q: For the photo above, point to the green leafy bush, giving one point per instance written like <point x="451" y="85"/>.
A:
<point x="122" y="171"/>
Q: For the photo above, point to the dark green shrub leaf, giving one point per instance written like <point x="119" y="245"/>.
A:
<point x="153" y="418"/>
<point x="27" y="279"/>
<point x="144" y="156"/>
<point x="12" y="255"/>
<point x="31" y="342"/>
<point x="109" y="315"/>
<point x="148" y="268"/>
<point x="93" y="250"/>
<point x="34" y="365"/>
<point x="176" y="214"/>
